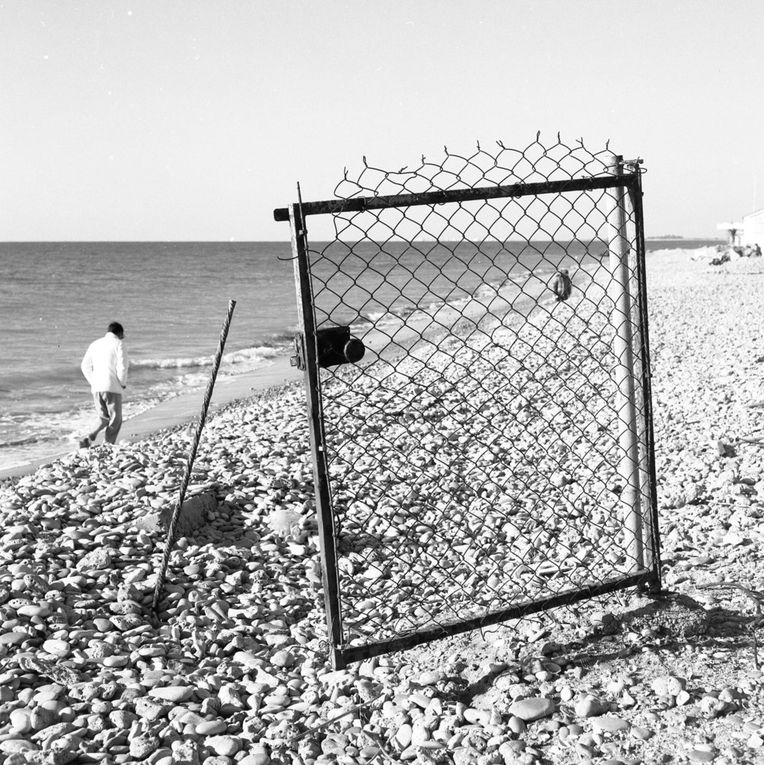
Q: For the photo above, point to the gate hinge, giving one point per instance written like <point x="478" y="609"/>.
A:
<point x="634" y="164"/>
<point x="298" y="359"/>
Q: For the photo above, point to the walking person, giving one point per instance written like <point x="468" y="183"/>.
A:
<point x="105" y="368"/>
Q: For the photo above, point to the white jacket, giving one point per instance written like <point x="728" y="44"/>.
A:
<point x="105" y="364"/>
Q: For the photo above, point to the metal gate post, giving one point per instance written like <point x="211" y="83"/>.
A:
<point x="326" y="534"/>
<point x="628" y="433"/>
<point x="649" y="479"/>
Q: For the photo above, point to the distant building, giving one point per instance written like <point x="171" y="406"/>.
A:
<point x="747" y="232"/>
<point x="753" y="228"/>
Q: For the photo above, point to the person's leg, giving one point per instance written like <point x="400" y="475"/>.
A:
<point x="103" y="418"/>
<point x="114" y="405"/>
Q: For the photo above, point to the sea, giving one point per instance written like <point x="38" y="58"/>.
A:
<point x="172" y="299"/>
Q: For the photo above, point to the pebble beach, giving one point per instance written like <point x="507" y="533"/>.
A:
<point x="235" y="668"/>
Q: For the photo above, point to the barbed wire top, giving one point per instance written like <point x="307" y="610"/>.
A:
<point x="497" y="165"/>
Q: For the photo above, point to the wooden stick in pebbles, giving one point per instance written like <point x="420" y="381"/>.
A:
<point x="191" y="457"/>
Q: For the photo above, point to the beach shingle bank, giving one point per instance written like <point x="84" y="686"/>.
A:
<point x="236" y="669"/>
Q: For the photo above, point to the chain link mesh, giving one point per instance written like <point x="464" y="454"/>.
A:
<point x="473" y="455"/>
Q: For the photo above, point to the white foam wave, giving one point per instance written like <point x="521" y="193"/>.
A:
<point x="248" y="356"/>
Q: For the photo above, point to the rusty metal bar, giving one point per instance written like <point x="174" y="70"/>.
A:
<point x="358" y="653"/>
<point x="326" y="533"/>
<point x="170" y="541"/>
<point x="358" y="204"/>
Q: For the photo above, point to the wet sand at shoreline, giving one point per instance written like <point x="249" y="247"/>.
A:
<point x="181" y="409"/>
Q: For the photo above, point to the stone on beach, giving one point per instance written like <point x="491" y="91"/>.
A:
<point x="97" y="560"/>
<point x="668" y="685"/>
<point x="590" y="706"/>
<point x="609" y="723"/>
<point x="192" y="516"/>
<point x="226" y="746"/>
<point x="532" y="708"/>
<point x="173" y="693"/>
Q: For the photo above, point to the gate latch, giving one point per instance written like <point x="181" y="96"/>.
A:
<point x="336" y="346"/>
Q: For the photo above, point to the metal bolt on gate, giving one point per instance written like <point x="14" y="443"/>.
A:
<point x="475" y="348"/>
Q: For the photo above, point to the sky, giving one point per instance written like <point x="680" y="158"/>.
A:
<point x="191" y="121"/>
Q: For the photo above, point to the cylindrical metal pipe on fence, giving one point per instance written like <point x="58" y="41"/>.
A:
<point x="191" y="457"/>
<point x="623" y="350"/>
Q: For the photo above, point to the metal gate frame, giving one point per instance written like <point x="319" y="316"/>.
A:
<point x="647" y="577"/>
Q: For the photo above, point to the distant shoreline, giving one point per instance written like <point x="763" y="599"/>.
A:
<point x="184" y="409"/>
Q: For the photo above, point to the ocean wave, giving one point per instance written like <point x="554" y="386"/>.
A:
<point x="279" y="340"/>
<point x="247" y="356"/>
<point x="24" y="441"/>
<point x="400" y="314"/>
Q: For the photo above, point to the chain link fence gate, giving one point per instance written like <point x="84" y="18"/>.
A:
<point x="474" y="340"/>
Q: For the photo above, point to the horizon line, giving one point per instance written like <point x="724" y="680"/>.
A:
<point x="287" y="241"/>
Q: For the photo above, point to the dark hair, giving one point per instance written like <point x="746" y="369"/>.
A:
<point x="116" y="329"/>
